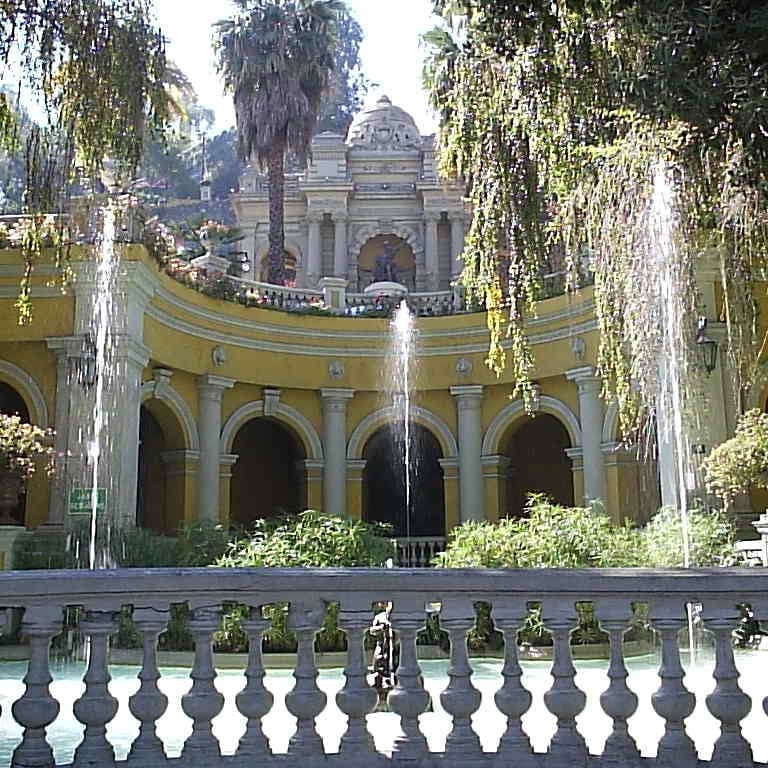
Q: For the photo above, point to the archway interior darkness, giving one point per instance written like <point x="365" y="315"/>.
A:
<point x="386" y="258"/>
<point x="152" y="488"/>
<point x="538" y="463"/>
<point x="12" y="404"/>
<point x="384" y="484"/>
<point x="268" y="478"/>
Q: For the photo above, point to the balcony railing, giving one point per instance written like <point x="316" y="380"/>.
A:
<point x="418" y="551"/>
<point x="100" y="595"/>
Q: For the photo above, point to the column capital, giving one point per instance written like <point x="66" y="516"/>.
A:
<point x="432" y="217"/>
<point x="314" y="217"/>
<point x="211" y="382"/>
<point x="466" y="394"/>
<point x="340" y="217"/>
<point x="336" y="395"/>
<point x="583" y="372"/>
<point x="450" y="468"/>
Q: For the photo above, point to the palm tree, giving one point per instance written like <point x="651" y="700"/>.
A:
<point x="277" y="57"/>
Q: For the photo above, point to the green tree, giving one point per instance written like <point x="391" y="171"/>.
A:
<point x="277" y="57"/>
<point x="348" y="85"/>
<point x="556" y="114"/>
<point x="97" y="67"/>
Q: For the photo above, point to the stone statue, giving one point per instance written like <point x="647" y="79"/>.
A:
<point x="385" y="269"/>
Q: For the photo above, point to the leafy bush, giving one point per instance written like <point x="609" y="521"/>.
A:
<point x="550" y="536"/>
<point x="310" y="539"/>
<point x="736" y="465"/>
<point x="711" y="536"/>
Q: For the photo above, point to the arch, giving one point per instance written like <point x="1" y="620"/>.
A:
<point x="365" y="429"/>
<point x="368" y="231"/>
<point x="29" y="390"/>
<point x="515" y="411"/>
<point x="300" y="424"/>
<point x="178" y="405"/>
<point x="291" y="245"/>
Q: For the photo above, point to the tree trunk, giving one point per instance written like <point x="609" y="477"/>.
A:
<point x="276" y="253"/>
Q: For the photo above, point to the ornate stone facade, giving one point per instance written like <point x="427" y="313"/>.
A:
<point x="380" y="183"/>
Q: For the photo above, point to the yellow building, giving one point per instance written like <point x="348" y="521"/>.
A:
<point x="234" y="410"/>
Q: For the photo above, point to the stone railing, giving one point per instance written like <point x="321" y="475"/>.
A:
<point x="428" y="304"/>
<point x="408" y="738"/>
<point x="253" y="293"/>
<point x="417" y="551"/>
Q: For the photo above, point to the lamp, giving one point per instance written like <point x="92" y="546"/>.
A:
<point x="86" y="362"/>
<point x="707" y="346"/>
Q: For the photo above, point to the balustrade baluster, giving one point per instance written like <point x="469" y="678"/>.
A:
<point x="37" y="709"/>
<point x="618" y="701"/>
<point x="460" y="699"/>
<point x="149" y="703"/>
<point x="672" y="701"/>
<point x="420" y="554"/>
<point x="305" y="701"/>
<point x="254" y="701"/>
<point x="202" y="702"/>
<point x="564" y="699"/>
<point x="512" y="699"/>
<point x="728" y="703"/>
<point x="408" y="699"/>
<point x="96" y="707"/>
<point x="356" y="699"/>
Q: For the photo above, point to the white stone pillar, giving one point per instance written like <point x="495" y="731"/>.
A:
<point x="340" y="265"/>
<point x="210" y="390"/>
<point x="457" y="245"/>
<point x="131" y="357"/>
<point x="591" y="416"/>
<point x="334" y="402"/>
<point x="468" y="406"/>
<point x="314" y="254"/>
<point x="432" y="266"/>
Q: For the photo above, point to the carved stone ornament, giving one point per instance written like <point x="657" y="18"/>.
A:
<point x="384" y="127"/>
<point x="578" y="347"/>
<point x="218" y="356"/>
<point x="336" y="369"/>
<point x="464" y="366"/>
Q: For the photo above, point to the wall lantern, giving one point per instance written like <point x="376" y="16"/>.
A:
<point x="707" y="347"/>
<point x="86" y="362"/>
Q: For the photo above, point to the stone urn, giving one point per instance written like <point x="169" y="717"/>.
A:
<point x="11" y="486"/>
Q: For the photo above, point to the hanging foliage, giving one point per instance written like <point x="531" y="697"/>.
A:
<point x="557" y="113"/>
<point x="97" y="69"/>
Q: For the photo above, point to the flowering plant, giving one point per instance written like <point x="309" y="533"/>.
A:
<point x="22" y="445"/>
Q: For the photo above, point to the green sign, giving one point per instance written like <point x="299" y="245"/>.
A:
<point x="81" y="501"/>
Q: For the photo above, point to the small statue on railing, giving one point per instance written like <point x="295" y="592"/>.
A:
<point x="748" y="632"/>
<point x="385" y="655"/>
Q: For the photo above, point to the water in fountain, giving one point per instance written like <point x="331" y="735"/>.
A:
<point x="679" y="392"/>
<point x="94" y="478"/>
<point x="399" y="383"/>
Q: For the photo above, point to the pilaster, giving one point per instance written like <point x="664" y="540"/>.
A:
<point x="431" y="261"/>
<point x="495" y="473"/>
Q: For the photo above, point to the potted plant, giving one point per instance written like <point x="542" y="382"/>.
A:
<point x="22" y="447"/>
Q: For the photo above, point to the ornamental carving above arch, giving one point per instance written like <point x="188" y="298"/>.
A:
<point x="367" y="232"/>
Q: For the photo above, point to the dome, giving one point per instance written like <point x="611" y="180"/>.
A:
<point x="384" y="126"/>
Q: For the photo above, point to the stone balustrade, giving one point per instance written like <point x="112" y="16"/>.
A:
<point x="418" y="551"/>
<point x="100" y="595"/>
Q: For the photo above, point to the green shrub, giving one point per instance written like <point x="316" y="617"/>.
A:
<point x="711" y="536"/>
<point x="550" y="536"/>
<point x="310" y="539"/>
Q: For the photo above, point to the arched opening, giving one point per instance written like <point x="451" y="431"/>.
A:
<point x="161" y="492"/>
<point x="384" y="484"/>
<point x="538" y="463"/>
<point x="12" y="404"/>
<point x="268" y="476"/>
<point x="289" y="268"/>
<point x="386" y="258"/>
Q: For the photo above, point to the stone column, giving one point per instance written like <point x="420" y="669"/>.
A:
<point x="210" y="390"/>
<point x="591" y="416"/>
<point x="457" y="245"/>
<point x="340" y="253"/>
<point x="432" y="266"/>
<point x="314" y="255"/>
<point x="131" y="357"/>
<point x="335" y="449"/>
<point x="468" y="404"/>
